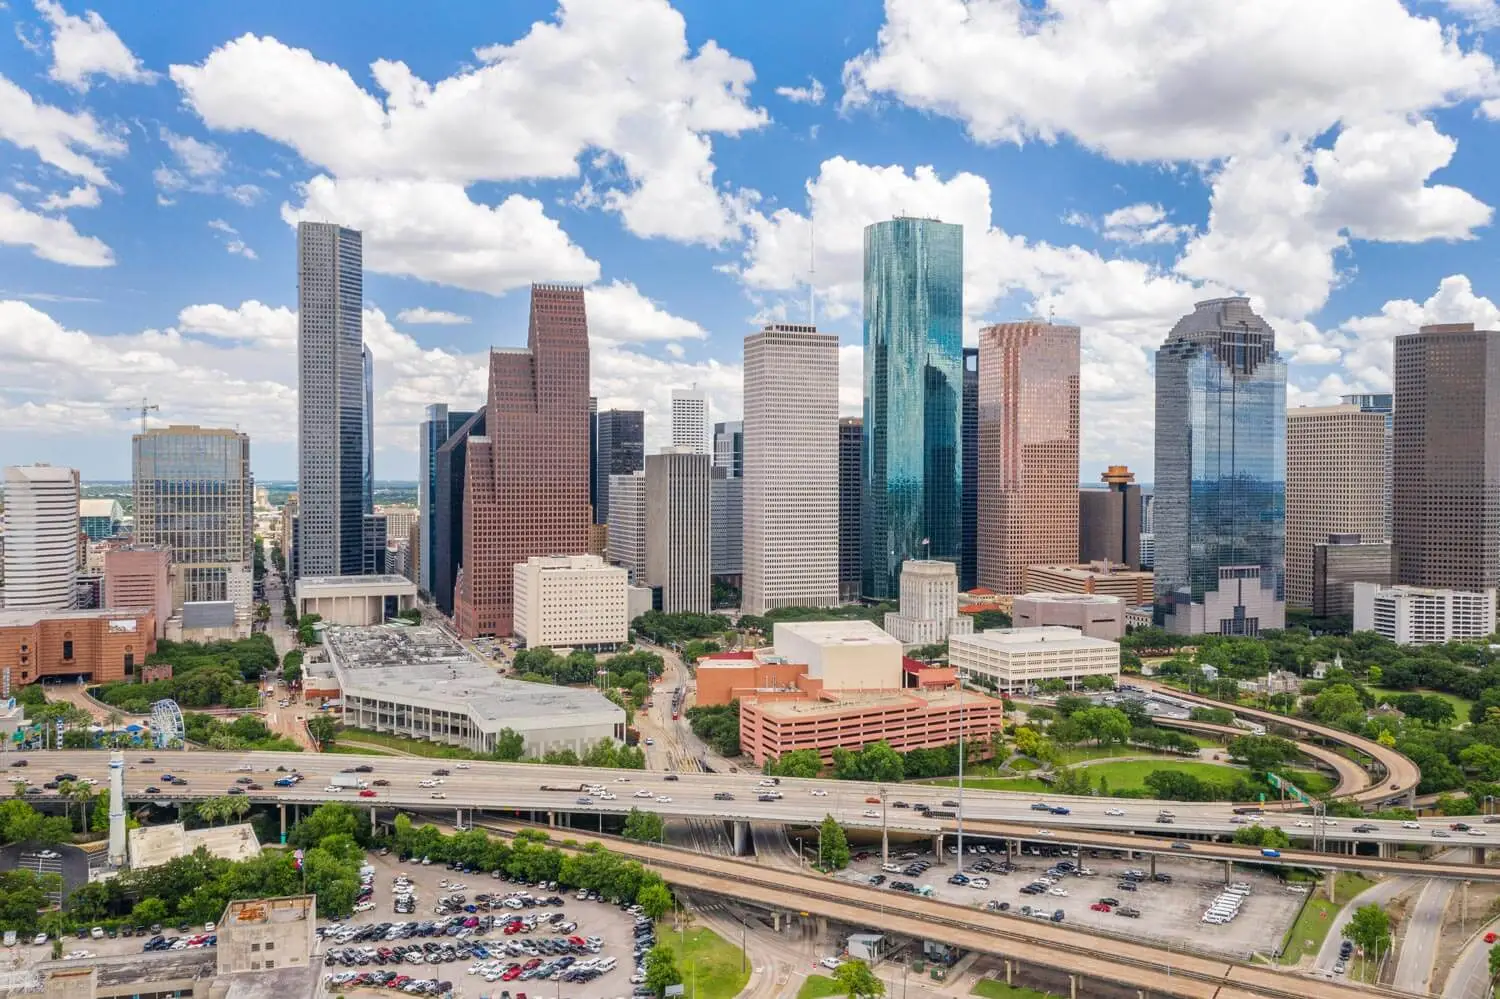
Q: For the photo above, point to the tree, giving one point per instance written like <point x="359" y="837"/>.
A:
<point x="655" y="900"/>
<point x="330" y="819"/>
<point x="661" y="968"/>
<point x="1258" y="835"/>
<point x="1494" y="966"/>
<point x="833" y="845"/>
<point x="322" y="729"/>
<point x="1370" y="927"/>
<point x="797" y="763"/>
<point x="645" y="827"/>
<point x="149" y="911"/>
<point x="854" y="978"/>
<point x="510" y="745"/>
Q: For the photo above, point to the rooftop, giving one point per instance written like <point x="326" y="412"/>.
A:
<point x="1073" y="598"/>
<point x="831" y="633"/>
<point x="857" y="700"/>
<point x="1045" y="639"/>
<point x="289" y="909"/>
<point x="24" y="617"/>
<point x="100" y="508"/>
<point x="1091" y="569"/>
<point x="329" y="582"/>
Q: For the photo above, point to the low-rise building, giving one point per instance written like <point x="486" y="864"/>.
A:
<point x="1013" y="660"/>
<point x="264" y="934"/>
<point x="1339" y="563"/>
<point x="139" y="576"/>
<point x="104" y="646"/>
<point x="929" y="604"/>
<point x="355" y="601"/>
<point x="1104" y="578"/>
<point x="841" y="655"/>
<point x="1096" y="615"/>
<point x="1418" y="615"/>
<point x="571" y="601"/>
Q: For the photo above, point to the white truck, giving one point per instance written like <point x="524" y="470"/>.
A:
<point x="348" y="780"/>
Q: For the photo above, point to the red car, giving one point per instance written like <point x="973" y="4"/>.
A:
<point x="1489" y="938"/>
<point x="1099" y="907"/>
<point x="367" y="793"/>
<point x="511" y="973"/>
<point x="872" y="800"/>
<point x="533" y="963"/>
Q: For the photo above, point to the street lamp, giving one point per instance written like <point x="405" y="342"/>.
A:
<point x="885" y="841"/>
<point x="961" y="753"/>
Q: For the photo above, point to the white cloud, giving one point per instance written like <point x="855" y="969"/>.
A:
<point x="199" y="169"/>
<point x="1484" y="13"/>
<point x="232" y="242"/>
<point x="50" y="237"/>
<point x="83" y="196"/>
<point x="250" y="322"/>
<point x="813" y="93"/>
<point x="83" y="47"/>
<point x="1367" y="339"/>
<point x="619" y="313"/>
<point x="62" y="139"/>
<point x="432" y="317"/>
<point x="1141" y="223"/>
<point x="198" y="159"/>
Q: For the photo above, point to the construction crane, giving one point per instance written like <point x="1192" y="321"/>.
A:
<point x="146" y="407"/>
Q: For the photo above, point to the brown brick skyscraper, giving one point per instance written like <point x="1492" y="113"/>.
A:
<point x="527" y="483"/>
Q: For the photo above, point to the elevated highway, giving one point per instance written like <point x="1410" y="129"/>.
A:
<point x="1353" y="779"/>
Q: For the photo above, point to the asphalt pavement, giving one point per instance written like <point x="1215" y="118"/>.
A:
<point x="1419" y="944"/>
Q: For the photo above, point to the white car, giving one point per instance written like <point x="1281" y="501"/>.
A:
<point x="1330" y="822"/>
<point x="818" y="792"/>
<point x="768" y="783"/>
<point x="1114" y="811"/>
<point x="643" y="793"/>
<point x="1476" y="832"/>
<point x="437" y="794"/>
<point x="1044" y="832"/>
<point x="607" y="795"/>
<point x="461" y="766"/>
<point x="1303" y="824"/>
<point x="871" y="813"/>
<point x="1411" y="825"/>
<point x="332" y="789"/>
<point x="664" y="798"/>
<point x="622" y="780"/>
<point x="1059" y="892"/>
<point x="980" y="883"/>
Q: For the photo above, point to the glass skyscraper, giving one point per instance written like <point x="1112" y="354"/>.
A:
<point x="913" y="455"/>
<point x="441" y="424"/>
<point x="1220" y="489"/>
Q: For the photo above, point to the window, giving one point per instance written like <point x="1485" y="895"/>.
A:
<point x="129" y="663"/>
<point x="254" y="948"/>
<point x="67" y="649"/>
<point x="270" y="965"/>
<point x="270" y="945"/>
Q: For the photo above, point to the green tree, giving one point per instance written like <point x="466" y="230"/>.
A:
<point x="797" y="763"/>
<point x="645" y="827"/>
<point x="330" y="819"/>
<point x="854" y="978"/>
<point x="1494" y="966"/>
<point x="833" y="845"/>
<point x="323" y="729"/>
<point x="661" y="968"/>
<point x="655" y="900"/>
<point x="1370" y="927"/>
<point x="1267" y="836"/>
<point x="149" y="912"/>
<point x="510" y="745"/>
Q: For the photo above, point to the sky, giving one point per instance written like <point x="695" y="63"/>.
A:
<point x="703" y="168"/>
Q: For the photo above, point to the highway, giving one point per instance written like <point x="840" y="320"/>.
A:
<point x="1353" y="779"/>
<point x="1378" y="894"/>
<point x="1419" y="942"/>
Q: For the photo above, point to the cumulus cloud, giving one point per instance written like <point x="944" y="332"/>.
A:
<point x="232" y="241"/>
<point x="83" y="196"/>
<point x="69" y="141"/>
<point x="813" y="93"/>
<point x="85" y="47"/>
<point x="50" y="237"/>
<point x="1141" y="223"/>
<point x="432" y="317"/>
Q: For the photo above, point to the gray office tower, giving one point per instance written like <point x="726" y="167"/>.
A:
<point x="367" y="366"/>
<point x="441" y="424"/>
<point x="448" y="509"/>
<point x="729" y="448"/>
<point x="851" y="449"/>
<point x="621" y="449"/>
<point x="331" y="393"/>
<point x="594" y="500"/>
<point x="1379" y="402"/>
<point x="968" y="563"/>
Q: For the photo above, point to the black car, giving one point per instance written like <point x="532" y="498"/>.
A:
<point x="670" y="777"/>
<point x="1165" y="879"/>
<point x="723" y="796"/>
<point x="364" y="768"/>
<point x="153" y="790"/>
<point x="1128" y="912"/>
<point x="236" y="789"/>
<point x="950" y="803"/>
<point x="899" y="804"/>
<point x="21" y="763"/>
<point x="440" y="772"/>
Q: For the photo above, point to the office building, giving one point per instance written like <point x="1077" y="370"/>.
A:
<point x="1105" y="578"/>
<point x="571" y="601"/>
<point x="1148" y="551"/>
<point x="1220" y="490"/>
<point x="913" y="336"/>
<point x="1014" y="660"/>
<point x="332" y="465"/>
<point x="448" y="512"/>
<point x="195" y="497"/>
<point x="929" y="604"/>
<point x="373" y="531"/>
<point x="851" y="447"/>
<point x="1028" y="450"/>
<point x="1109" y="519"/>
<point x="626" y="544"/>
<point x="41" y="537"/>
<point x="368" y="439"/>
<point x="1446" y="458"/>
<point x="690" y="420"/>
<point x="1382" y="403"/>
<point x="1420" y="615"/>
<point x="729" y="448"/>
<point x="791" y="468"/>
<point x="441" y="424"/>
<point x="355" y="600"/>
<point x="968" y="565"/>
<point x="100" y="518"/>
<point x="1095" y="615"/>
<point x="139" y="576"/>
<point x="103" y="646"/>
<point x="526" y="488"/>
<point x="678" y="546"/>
<point x="399" y="519"/>
<point x="1340" y="562"/>
<point x="1335" y="484"/>
<point x="594" y="461"/>
<point x="726" y="501"/>
<point x="621" y="450"/>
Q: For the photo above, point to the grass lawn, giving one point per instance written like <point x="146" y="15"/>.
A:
<point x="1311" y="781"/>
<point x="1131" y="774"/>
<point x="817" y="987"/>
<point x="1307" y="933"/>
<point x="417" y="747"/>
<point x="996" y="783"/>
<point x="992" y="989"/>
<point x="710" y="961"/>
<point x="1083" y="754"/>
<point x="1461" y="705"/>
<point x="353" y="750"/>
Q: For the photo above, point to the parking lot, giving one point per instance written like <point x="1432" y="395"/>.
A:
<point x="568" y="928"/>
<point x="1170" y="910"/>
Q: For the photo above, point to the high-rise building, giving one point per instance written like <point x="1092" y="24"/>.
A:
<point x="375" y="535"/>
<point x="1446" y="458"/>
<point x="726" y="499"/>
<point x="1109" y="520"/>
<point x="1028" y="450"/>
<point x="929" y="605"/>
<point x="621" y="450"/>
<point x="594" y="460"/>
<point x="913" y="461"/>
<point x="678" y="544"/>
<point x="968" y="565"/>
<point x="526" y="488"/>
<point x="1335" y="484"/>
<point x="441" y="423"/>
<point x="627" y="524"/>
<point x="100" y="518"/>
<point x="331" y="393"/>
<point x="851" y="448"/>
<point x="729" y="448"/>
<point x="1220" y="489"/>
<point x="690" y="420"/>
<point x="41" y="537"/>
<point x="448" y="510"/>
<point x="1378" y="402"/>
<point x="368" y="367"/>
<point x="791" y="468"/>
<point x="194" y="496"/>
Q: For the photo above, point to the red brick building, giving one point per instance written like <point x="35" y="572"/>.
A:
<point x="103" y="645"/>
<point x="526" y="487"/>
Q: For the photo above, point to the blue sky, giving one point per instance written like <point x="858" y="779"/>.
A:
<point x="1111" y="160"/>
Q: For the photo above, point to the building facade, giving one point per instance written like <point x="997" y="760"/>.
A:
<point x="139" y="576"/>
<point x="791" y="468"/>
<point x="331" y="394"/>
<point x="911" y="500"/>
<point x="41" y="537"/>
<point x="678" y="535"/>
<point x="1028" y="450"/>
<point x="526" y="487"/>
<point x="100" y="518"/>
<point x="571" y="601"/>
<point x="1382" y="403"/>
<point x="448" y="515"/>
<point x="1220" y="491"/>
<point x="441" y="424"/>
<point x="355" y="601"/>
<point x="1094" y="615"/>
<point x="690" y="420"/>
<point x="626" y="544"/>
<point x="729" y="448"/>
<point x="1335" y="484"/>
<point x="851" y="448"/>
<point x="367" y="440"/>
<point x="1421" y="615"/>
<point x="1013" y="660"/>
<point x="726" y="500"/>
<point x="1109" y="519"/>
<point x="929" y="604"/>
<point x="968" y="565"/>
<point x="1446" y="458"/>
<point x="621" y="435"/>
<point x="1105" y="578"/>
<point x="106" y="646"/>
<point x="1341" y="561"/>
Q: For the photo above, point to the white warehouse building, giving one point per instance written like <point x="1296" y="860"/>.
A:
<point x="1012" y="660"/>
<point x="1417" y="615"/>
<point x="845" y="655"/>
<point x="573" y="601"/>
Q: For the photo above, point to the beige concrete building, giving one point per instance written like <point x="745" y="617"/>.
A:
<point x="1015" y="659"/>
<point x="264" y="934"/>
<point x="678" y="517"/>
<point x="355" y="600"/>
<point x="843" y="655"/>
<point x="625" y="542"/>
<point x="1419" y="615"/>
<point x="1335" y="484"/>
<point x="929" y="604"/>
<point x="1131" y="585"/>
<point x="139" y="576"/>
<point x="1095" y="615"/>
<point x="573" y="601"/>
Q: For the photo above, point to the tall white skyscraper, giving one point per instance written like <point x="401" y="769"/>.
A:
<point x="690" y="420"/>
<point x="41" y="537"/>
<point x="626" y="544"/>
<point x="791" y="468"/>
<point x="331" y="466"/>
<point x="678" y="544"/>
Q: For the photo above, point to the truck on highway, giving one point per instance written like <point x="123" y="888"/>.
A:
<point x="342" y="779"/>
<point x="942" y="813"/>
<point x="568" y="788"/>
<point x="1268" y="852"/>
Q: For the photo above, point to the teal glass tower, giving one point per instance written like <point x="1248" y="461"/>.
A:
<point x="913" y="427"/>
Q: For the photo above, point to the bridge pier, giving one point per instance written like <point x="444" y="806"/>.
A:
<point x="1228" y="871"/>
<point x="1072" y="987"/>
<point x="282" y="809"/>
<point x="552" y="819"/>
<point x="372" y="820"/>
<point x="937" y="849"/>
<point x="1333" y="880"/>
<point x="1009" y="969"/>
<point x="1478" y="855"/>
<point x="741" y="838"/>
<point x="1153" y="865"/>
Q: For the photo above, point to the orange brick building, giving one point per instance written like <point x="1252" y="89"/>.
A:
<point x="104" y="646"/>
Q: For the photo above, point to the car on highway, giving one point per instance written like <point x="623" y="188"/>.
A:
<point x="1365" y="827"/>
<point x="872" y="813"/>
<point x="872" y="800"/>
<point x="244" y="780"/>
<point x="1303" y="824"/>
<point x="1489" y="938"/>
<point x="1459" y="826"/>
<point x="146" y="759"/>
<point x="367" y="793"/>
<point x="153" y="790"/>
<point x="1044" y="832"/>
<point x="1181" y="845"/>
<point x="440" y="772"/>
<point x="899" y="804"/>
<point x="723" y="796"/>
<point x="1061" y="810"/>
<point x="643" y="793"/>
<point x="583" y="800"/>
<point x="332" y="789"/>
<point x="1114" y="811"/>
<point x="670" y="776"/>
<point x="1409" y="824"/>
<point x="1442" y="834"/>
<point x="437" y="794"/>
<point x="950" y="803"/>
<point x="818" y="792"/>
<point x="1476" y="832"/>
<point x="1100" y="907"/>
<point x="664" y="799"/>
<point x="381" y="782"/>
<point x="235" y="789"/>
<point x="460" y="766"/>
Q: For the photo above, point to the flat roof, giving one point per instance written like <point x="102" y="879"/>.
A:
<point x="834" y="633"/>
<point x="1073" y="598"/>
<point x="22" y="617"/>
<point x="1092" y="571"/>
<point x="333" y="582"/>
<point x="1050" y="638"/>
<point x="855" y="700"/>
<point x="258" y="911"/>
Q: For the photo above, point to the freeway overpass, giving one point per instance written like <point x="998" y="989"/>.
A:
<point x="1352" y="778"/>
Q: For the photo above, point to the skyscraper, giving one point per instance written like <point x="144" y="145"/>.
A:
<point x="441" y="423"/>
<point x="1378" y="402"/>
<point x="1028" y="451"/>
<point x="1220" y="489"/>
<point x="690" y="420"/>
<point x="851" y="447"/>
<point x="448" y="510"/>
<point x="968" y="565"/>
<point x="594" y="498"/>
<point x="627" y="524"/>
<point x="526" y="487"/>
<point x="368" y="443"/>
<point x="729" y="448"/>
<point x="194" y="496"/>
<point x="1446" y="458"/>
<point x="1109" y="520"/>
<point x="726" y="514"/>
<point x="1335" y="485"/>
<point x="913" y="461"/>
<point x="621" y="449"/>
<point x="41" y="537"/>
<point x="678" y="544"/>
<point x="791" y="468"/>
<point x="331" y="394"/>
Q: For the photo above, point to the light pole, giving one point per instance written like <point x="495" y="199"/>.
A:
<point x="961" y="754"/>
<point x="885" y="841"/>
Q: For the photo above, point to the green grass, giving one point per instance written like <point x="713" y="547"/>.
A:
<point x="992" y="989"/>
<point x="1024" y="763"/>
<point x="707" y="959"/>
<point x="417" y="747"/>
<point x="1312" y="781"/>
<point x="1307" y="933"/>
<point x="996" y="783"/>
<point x="1083" y="754"/>
<point x="817" y="987"/>
<point x="353" y="750"/>
<point x="1461" y="705"/>
<point x="1130" y="775"/>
